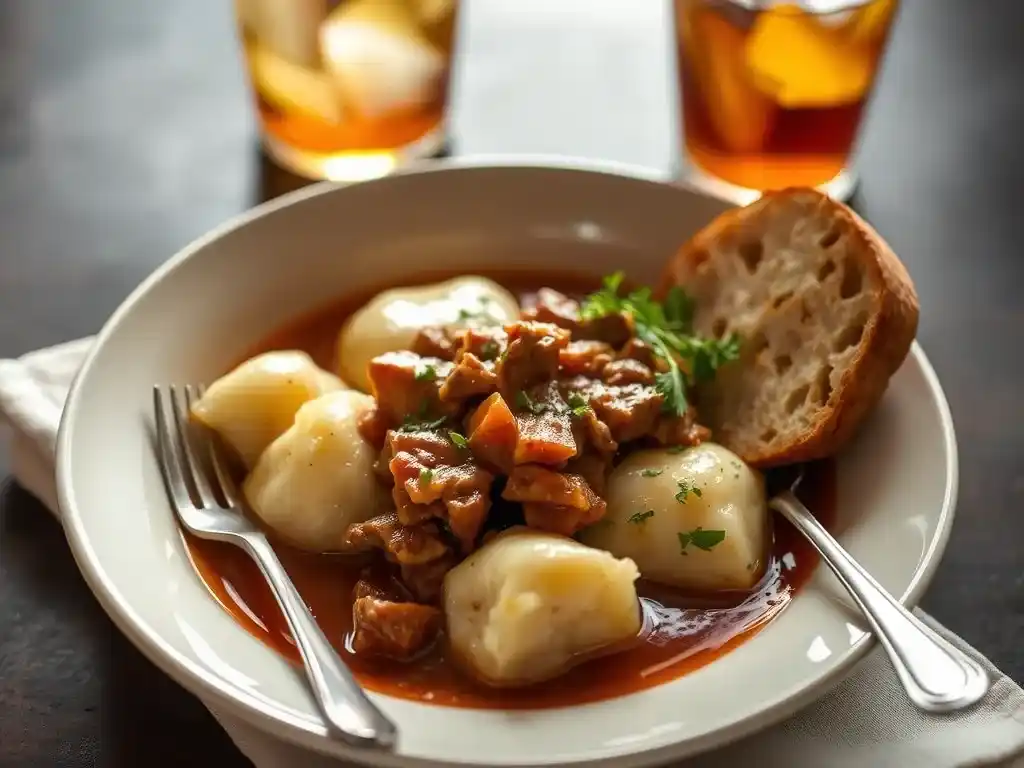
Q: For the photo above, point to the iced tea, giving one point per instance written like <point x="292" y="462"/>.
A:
<point x="773" y="93"/>
<point x="347" y="89"/>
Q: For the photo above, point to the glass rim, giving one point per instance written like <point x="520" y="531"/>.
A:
<point x="813" y="7"/>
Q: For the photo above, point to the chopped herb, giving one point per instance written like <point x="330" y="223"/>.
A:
<point x="651" y="472"/>
<point x="420" y="424"/>
<point x="700" y="538"/>
<point x="489" y="350"/>
<point x="426" y="475"/>
<point x="523" y="401"/>
<point x="459" y="440"/>
<point x="578" y="405"/>
<point x="677" y="449"/>
<point x="667" y="329"/>
<point x="425" y="373"/>
<point x="685" y="489"/>
<point x="638" y="517"/>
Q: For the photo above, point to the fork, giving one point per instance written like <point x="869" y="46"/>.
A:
<point x="937" y="676"/>
<point x="210" y="508"/>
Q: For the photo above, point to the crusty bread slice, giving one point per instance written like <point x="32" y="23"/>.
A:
<point x="826" y="314"/>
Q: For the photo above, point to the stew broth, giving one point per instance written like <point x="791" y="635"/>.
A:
<point x="686" y="631"/>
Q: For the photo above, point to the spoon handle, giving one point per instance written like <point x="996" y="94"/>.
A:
<point x="937" y="676"/>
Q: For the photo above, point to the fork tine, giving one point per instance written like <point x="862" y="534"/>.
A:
<point x="170" y="461"/>
<point x="228" y="489"/>
<point x="194" y="467"/>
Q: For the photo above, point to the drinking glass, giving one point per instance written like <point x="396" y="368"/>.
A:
<point x="348" y="89"/>
<point x="773" y="93"/>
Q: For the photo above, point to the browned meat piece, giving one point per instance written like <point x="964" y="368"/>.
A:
<point x="531" y="357"/>
<point x="634" y="349"/>
<point x="373" y="427"/>
<point x="555" y="308"/>
<point x="426" y="580"/>
<point x="406" y="386"/>
<point x="393" y="630"/>
<point x="627" y="371"/>
<point x="616" y="329"/>
<point x="630" y="411"/>
<point x="561" y="519"/>
<point x="585" y="358"/>
<point x="435" y="341"/>
<point x="530" y="483"/>
<point x="595" y="432"/>
<point x="470" y="378"/>
<point x="426" y="448"/>
<point x="468" y="503"/>
<point x="494" y="434"/>
<point x="380" y="586"/>
<point x="592" y="468"/>
<point x="545" y="427"/>
<point x="487" y="344"/>
<point x="684" y="430"/>
<point x="406" y="544"/>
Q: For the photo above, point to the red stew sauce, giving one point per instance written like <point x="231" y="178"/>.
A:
<point x="690" y="630"/>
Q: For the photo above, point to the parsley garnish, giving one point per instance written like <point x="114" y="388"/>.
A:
<point x="701" y="539"/>
<point x="523" y="401"/>
<point x="651" y="472"/>
<point x="420" y="424"/>
<point x="578" y="405"/>
<point x="638" y="517"/>
<point x="667" y="329"/>
<point x="426" y="475"/>
<point x="685" y="489"/>
<point x="677" y="449"/>
<point x="425" y="372"/>
<point x="459" y="440"/>
<point x="489" y="350"/>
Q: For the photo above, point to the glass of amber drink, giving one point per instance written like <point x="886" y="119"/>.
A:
<point x="348" y="89"/>
<point x="773" y="92"/>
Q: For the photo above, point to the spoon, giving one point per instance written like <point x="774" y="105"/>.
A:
<point x="937" y="676"/>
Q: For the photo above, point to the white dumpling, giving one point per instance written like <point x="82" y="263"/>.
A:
<point x="526" y="605"/>
<point x="256" y="402"/>
<point x="696" y="519"/>
<point x="317" y="479"/>
<point x="391" y="320"/>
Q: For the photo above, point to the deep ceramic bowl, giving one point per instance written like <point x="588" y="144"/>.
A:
<point x="207" y="305"/>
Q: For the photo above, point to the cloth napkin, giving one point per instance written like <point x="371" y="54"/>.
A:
<point x="865" y="722"/>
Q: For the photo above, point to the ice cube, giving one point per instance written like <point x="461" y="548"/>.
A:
<point x="740" y="114"/>
<point x="292" y="88"/>
<point x="379" y="58"/>
<point x="289" y="28"/>
<point x="802" y="64"/>
<point x="871" y="23"/>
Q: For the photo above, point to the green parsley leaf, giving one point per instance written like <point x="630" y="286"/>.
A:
<point x="676" y="449"/>
<point x="651" y="472"/>
<point x="684" y="490"/>
<point x="489" y="350"/>
<point x="420" y="424"/>
<point x="459" y="440"/>
<point x="578" y="404"/>
<point x="700" y="538"/>
<point x="426" y="475"/>
<point x="684" y="542"/>
<point x="639" y="517"/>
<point x="425" y="372"/>
<point x="524" y="401"/>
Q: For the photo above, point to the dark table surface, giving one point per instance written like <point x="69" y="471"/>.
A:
<point x="125" y="131"/>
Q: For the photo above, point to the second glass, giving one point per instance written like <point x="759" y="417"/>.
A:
<point x="348" y="89"/>
<point x="774" y="92"/>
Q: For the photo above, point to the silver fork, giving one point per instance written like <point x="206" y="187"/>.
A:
<point x="210" y="508"/>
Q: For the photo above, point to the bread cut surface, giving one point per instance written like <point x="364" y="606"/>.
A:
<point x="826" y="314"/>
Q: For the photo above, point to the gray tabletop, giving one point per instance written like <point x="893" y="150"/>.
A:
<point x="126" y="131"/>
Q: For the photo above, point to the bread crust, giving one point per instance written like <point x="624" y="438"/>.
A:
<point x="885" y="343"/>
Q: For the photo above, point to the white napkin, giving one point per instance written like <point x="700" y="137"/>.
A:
<point x="867" y="721"/>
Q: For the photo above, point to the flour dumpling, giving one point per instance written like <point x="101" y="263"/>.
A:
<point x="256" y="402"/>
<point x="527" y="605"/>
<point x="391" y="320"/>
<point x="317" y="478"/>
<point x="696" y="519"/>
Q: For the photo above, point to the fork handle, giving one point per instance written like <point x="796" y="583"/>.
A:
<point x="937" y="675"/>
<point x="343" y="703"/>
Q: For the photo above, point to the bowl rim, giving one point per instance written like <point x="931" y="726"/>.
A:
<point x="271" y="718"/>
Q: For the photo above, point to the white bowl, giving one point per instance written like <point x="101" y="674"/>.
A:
<point x="214" y="300"/>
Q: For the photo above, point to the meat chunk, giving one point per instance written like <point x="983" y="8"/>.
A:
<point x="627" y="371"/>
<point x="556" y="308"/>
<point x="393" y="630"/>
<point x="406" y="386"/>
<point x="531" y="357"/>
<point x="630" y="411"/>
<point x="635" y="349"/>
<point x="494" y="433"/>
<point x="545" y="427"/>
<point x="426" y="580"/>
<point x="435" y="341"/>
<point x="585" y="358"/>
<point x="596" y="433"/>
<point x="487" y="344"/>
<point x="681" y="430"/>
<point x="594" y="469"/>
<point x="469" y="378"/>
<point x="380" y="586"/>
<point x="530" y="483"/>
<point x="405" y="544"/>
<point x="614" y="329"/>
<point x="373" y="427"/>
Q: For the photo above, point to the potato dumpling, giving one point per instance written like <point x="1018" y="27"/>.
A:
<point x="695" y="519"/>
<point x="317" y="479"/>
<point x="391" y="320"/>
<point x="256" y="402"/>
<point x="528" y="604"/>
